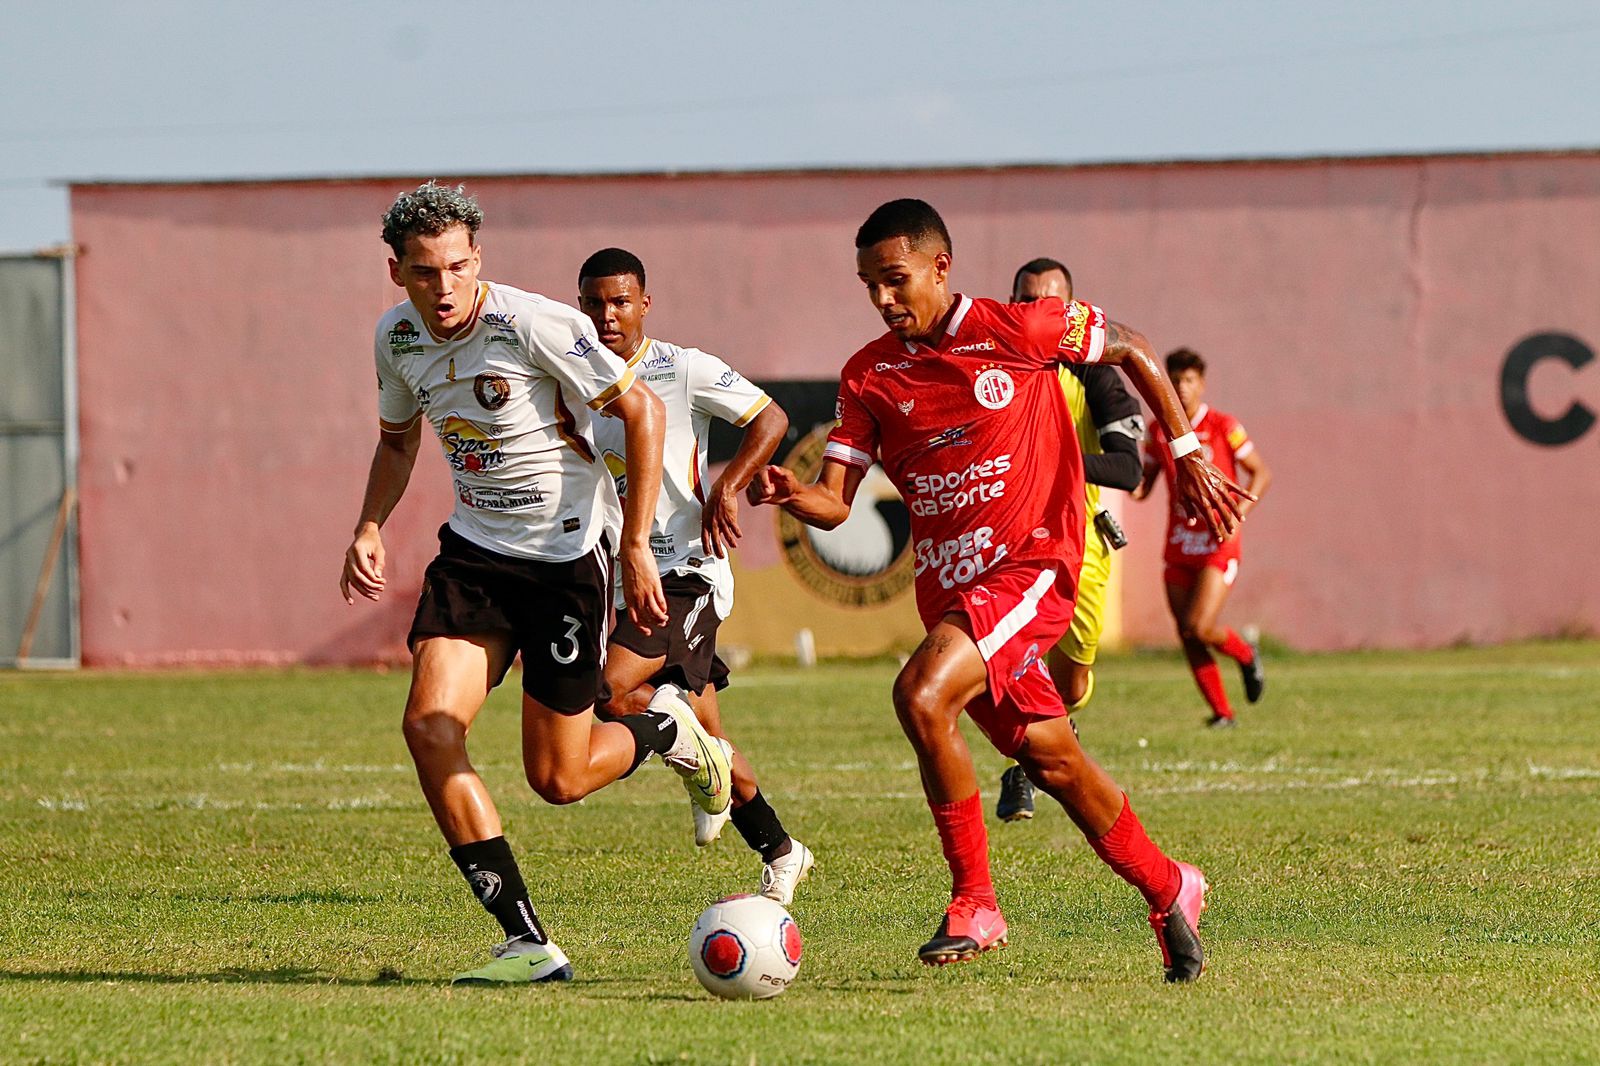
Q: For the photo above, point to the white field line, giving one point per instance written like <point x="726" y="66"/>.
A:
<point x="1270" y="776"/>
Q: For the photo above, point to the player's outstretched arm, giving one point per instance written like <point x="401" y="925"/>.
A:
<point x="719" y="518"/>
<point x="387" y="478"/>
<point x="644" y="424"/>
<point x="1200" y="488"/>
<point x="825" y="503"/>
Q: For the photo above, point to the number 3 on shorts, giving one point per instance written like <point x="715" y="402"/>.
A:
<point x="571" y="638"/>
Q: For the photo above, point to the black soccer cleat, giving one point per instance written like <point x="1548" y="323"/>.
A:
<point x="1221" y="721"/>
<point x="1016" y="796"/>
<point x="1178" y="927"/>
<point x="1255" y="678"/>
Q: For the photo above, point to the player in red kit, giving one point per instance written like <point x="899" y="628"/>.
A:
<point x="960" y="403"/>
<point x="1200" y="570"/>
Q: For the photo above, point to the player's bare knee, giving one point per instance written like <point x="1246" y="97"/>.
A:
<point x="433" y="733"/>
<point x="556" y="787"/>
<point x="921" y="708"/>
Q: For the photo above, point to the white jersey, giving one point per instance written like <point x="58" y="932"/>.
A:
<point x="511" y="398"/>
<point x="694" y="387"/>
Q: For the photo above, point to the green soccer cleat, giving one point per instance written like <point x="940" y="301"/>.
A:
<point x="519" y="962"/>
<point x="703" y="761"/>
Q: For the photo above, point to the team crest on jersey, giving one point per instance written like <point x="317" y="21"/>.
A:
<point x="469" y="447"/>
<point x="403" y="334"/>
<point x="994" y="388"/>
<point x="906" y="406"/>
<point x="492" y="391"/>
<point x="1077" y="327"/>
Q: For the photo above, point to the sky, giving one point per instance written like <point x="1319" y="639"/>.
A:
<point x="176" y="89"/>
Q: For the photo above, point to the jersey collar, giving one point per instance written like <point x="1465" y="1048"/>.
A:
<point x="644" y="346"/>
<point x="1200" y="415"/>
<point x="952" y="327"/>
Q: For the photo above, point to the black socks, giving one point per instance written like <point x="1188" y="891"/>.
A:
<point x="758" y="823"/>
<point x="653" y="732"/>
<point x="491" y="870"/>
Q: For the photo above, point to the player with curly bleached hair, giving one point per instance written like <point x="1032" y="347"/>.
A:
<point x="429" y="211"/>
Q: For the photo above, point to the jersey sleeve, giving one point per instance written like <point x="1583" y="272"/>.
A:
<point x="561" y="341"/>
<point x="854" y="440"/>
<point x="717" y="389"/>
<point x="397" y="404"/>
<point x="1239" y="441"/>
<point x="1112" y="408"/>
<point x="1057" y="332"/>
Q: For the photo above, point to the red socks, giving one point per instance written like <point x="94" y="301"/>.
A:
<point x="1209" y="678"/>
<point x="966" y="847"/>
<point x="1235" y="648"/>
<point x="1130" y="852"/>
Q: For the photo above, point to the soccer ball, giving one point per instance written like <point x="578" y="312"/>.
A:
<point x="745" y="947"/>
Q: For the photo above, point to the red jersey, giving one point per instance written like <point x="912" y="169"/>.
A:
<point x="974" y="431"/>
<point x="1223" y="442"/>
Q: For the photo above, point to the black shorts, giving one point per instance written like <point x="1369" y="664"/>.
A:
<point x="555" y="613"/>
<point x="688" y="642"/>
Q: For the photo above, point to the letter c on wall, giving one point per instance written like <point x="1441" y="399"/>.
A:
<point x="1519" y="364"/>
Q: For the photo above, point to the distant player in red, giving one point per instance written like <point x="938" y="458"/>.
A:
<point x="961" y="405"/>
<point x="1200" y="570"/>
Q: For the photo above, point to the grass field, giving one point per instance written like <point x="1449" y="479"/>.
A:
<point x="239" y="868"/>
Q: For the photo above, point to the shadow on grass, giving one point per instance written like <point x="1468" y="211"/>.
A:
<point x="282" y="975"/>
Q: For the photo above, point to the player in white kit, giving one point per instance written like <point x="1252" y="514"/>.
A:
<point x="509" y="380"/>
<point x="694" y="527"/>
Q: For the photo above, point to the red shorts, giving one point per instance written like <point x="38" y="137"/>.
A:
<point x="1186" y="573"/>
<point x="1017" y="615"/>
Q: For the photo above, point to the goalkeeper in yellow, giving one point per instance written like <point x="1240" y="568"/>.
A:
<point x="1110" y="426"/>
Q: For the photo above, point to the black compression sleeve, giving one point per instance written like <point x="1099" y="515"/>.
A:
<point x="1119" y="467"/>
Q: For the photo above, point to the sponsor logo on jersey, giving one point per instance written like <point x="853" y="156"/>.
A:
<point x="403" y="334"/>
<point x="881" y="367"/>
<point x="1077" y="327"/>
<point x="838" y="409"/>
<point x="500" y="338"/>
<point x="980" y="482"/>
<point x="500" y="320"/>
<point x="728" y="378"/>
<point x="570" y="525"/>
<point x="659" y="359"/>
<point x="663" y="545"/>
<point x="955" y="436"/>
<point x="985" y="345"/>
<point x="492" y="391"/>
<point x="962" y="560"/>
<point x="469" y="447"/>
<point x="617" y="467"/>
<point x="994" y="388"/>
<point x="482" y="499"/>
<point x="424" y="397"/>
<point x="581" y="349"/>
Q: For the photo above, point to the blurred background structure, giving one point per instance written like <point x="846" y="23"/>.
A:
<point x="1381" y="227"/>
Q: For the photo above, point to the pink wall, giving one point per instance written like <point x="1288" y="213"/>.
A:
<point x="1356" y="314"/>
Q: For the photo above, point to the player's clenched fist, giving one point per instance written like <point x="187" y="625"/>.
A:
<point x="775" y="485"/>
<point x="363" y="565"/>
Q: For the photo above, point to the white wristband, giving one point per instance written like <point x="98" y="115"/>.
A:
<point x="1185" y="444"/>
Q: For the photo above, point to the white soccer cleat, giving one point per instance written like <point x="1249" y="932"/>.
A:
<point x="519" y="961"/>
<point x="780" y="876"/>
<point x="703" y="761"/>
<point x="708" y="827"/>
